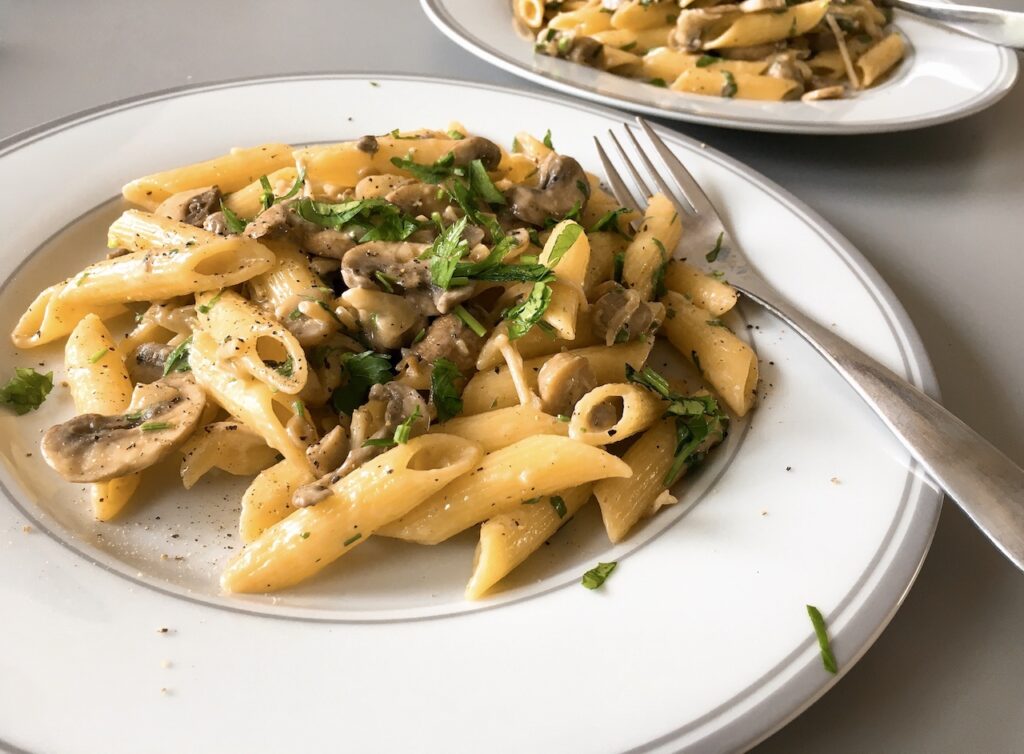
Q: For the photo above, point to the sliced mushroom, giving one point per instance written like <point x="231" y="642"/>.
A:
<point x="477" y="148"/>
<point x="563" y="380"/>
<point x="400" y="403"/>
<point x="397" y="262"/>
<point x="836" y="91"/>
<point x="329" y="243"/>
<point x="192" y="206"/>
<point x="146" y="362"/>
<point x="330" y="451"/>
<point x="368" y="144"/>
<point x="95" y="448"/>
<point x="447" y="337"/>
<point x="561" y="186"/>
<point x="417" y="199"/>
<point x="691" y="24"/>
<point x="786" y="66"/>
<point x="756" y="6"/>
<point x="620" y="314"/>
<point x="585" y="50"/>
<point x="216" y="223"/>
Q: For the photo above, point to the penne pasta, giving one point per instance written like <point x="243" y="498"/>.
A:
<point x="611" y="413"/>
<point x="268" y="498"/>
<point x="704" y="291"/>
<point x="880" y="59"/>
<point x="493" y="430"/>
<point x="229" y="446"/>
<point x="535" y="466"/>
<point x="724" y="361"/>
<point x="309" y="539"/>
<point x="652" y="246"/>
<point x="229" y="172"/>
<point x="509" y="539"/>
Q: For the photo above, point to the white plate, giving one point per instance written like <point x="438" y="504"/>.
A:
<point x="946" y="76"/>
<point x="699" y="640"/>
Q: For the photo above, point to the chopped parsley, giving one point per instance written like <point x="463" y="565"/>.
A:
<point x="99" y="355"/>
<point x="26" y="390"/>
<point x="375" y="219"/>
<point x="469" y="320"/>
<point x="205" y="308"/>
<point x="404" y="430"/>
<point x="234" y="223"/>
<point x="352" y="540"/>
<point x="443" y="392"/>
<point x="267" y="194"/>
<point x="559" y="505"/>
<point x="364" y="370"/>
<point x="457" y="135"/>
<point x="286" y="367"/>
<point x="525" y="315"/>
<point x="443" y="167"/>
<point x="177" y="360"/>
<point x="712" y="255"/>
<point x="698" y="419"/>
<point x="570" y="233"/>
<point x="596" y="576"/>
<point x="481" y="183"/>
<point x="611" y="217"/>
<point x="828" y="658"/>
<point x="386" y="282"/>
<point x="659" y="82"/>
<point x="446" y="252"/>
<point x="729" y="88"/>
<point x="155" y="426"/>
<point x="618" y="262"/>
<point x="547" y="140"/>
<point x="705" y="60"/>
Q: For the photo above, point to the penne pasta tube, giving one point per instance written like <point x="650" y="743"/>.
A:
<point x="725" y="362"/>
<point x="636" y="16"/>
<point x="583" y="22"/>
<point x="879" y="59"/>
<point x="532" y="147"/>
<point x="536" y="342"/>
<point x="99" y="384"/>
<point x="599" y="420"/>
<point x="719" y="82"/>
<point x="636" y="41"/>
<point x="259" y="345"/>
<point x="229" y="446"/>
<point x="494" y="389"/>
<point x="377" y="492"/>
<point x="598" y="205"/>
<point x="493" y="430"/>
<point x="530" y="12"/>
<point x="247" y="202"/>
<point x="569" y="248"/>
<point x="667" y="64"/>
<point x="230" y="172"/>
<point x="749" y="29"/>
<point x="244" y="397"/>
<point x="268" y="499"/>
<point x="509" y="539"/>
<point x="704" y="291"/>
<point x="532" y="467"/>
<point x="652" y="246"/>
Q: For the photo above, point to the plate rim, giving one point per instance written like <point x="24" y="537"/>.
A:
<point x="757" y="728"/>
<point x="437" y="12"/>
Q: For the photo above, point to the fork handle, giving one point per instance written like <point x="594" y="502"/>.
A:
<point x="980" y="478"/>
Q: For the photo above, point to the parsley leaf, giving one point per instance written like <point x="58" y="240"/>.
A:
<point x="378" y="219"/>
<point x="547" y="140"/>
<point x="659" y="82"/>
<point x="443" y="393"/>
<point x="595" y="577"/>
<point x="267" y="195"/>
<point x="525" y="315"/>
<point x="469" y="320"/>
<point x="205" y="308"/>
<point x="364" y="370"/>
<point x="442" y="168"/>
<point x="559" y="505"/>
<point x="234" y="223"/>
<point x="712" y="255"/>
<point x="481" y="183"/>
<point x="705" y="60"/>
<point x="729" y="88"/>
<point x="26" y="390"/>
<point x="445" y="253"/>
<point x="828" y="658"/>
<point x="286" y="368"/>
<point x="404" y="430"/>
<point x="521" y="273"/>
<point x="611" y="217"/>
<point x="566" y="238"/>
<point x="177" y="360"/>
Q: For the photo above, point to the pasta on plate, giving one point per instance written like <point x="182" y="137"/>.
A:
<point x="407" y="335"/>
<point x="754" y="49"/>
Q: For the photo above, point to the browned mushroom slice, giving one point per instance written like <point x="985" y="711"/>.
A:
<point x="95" y="448"/>
<point x="448" y="337"/>
<point x="620" y="314"/>
<point x="383" y="264"/>
<point x="561" y="187"/>
<point x="192" y="206"/>
<point x="146" y="362"/>
<point x="563" y="380"/>
<point x="477" y="148"/>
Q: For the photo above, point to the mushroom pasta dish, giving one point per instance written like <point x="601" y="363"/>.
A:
<point x="754" y="49"/>
<point x="406" y="336"/>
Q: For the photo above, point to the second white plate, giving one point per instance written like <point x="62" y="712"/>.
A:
<point x="946" y="76"/>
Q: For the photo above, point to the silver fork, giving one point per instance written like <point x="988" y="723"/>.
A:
<point x="983" y="481"/>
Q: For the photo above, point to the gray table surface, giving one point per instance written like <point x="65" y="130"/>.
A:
<point x="939" y="213"/>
